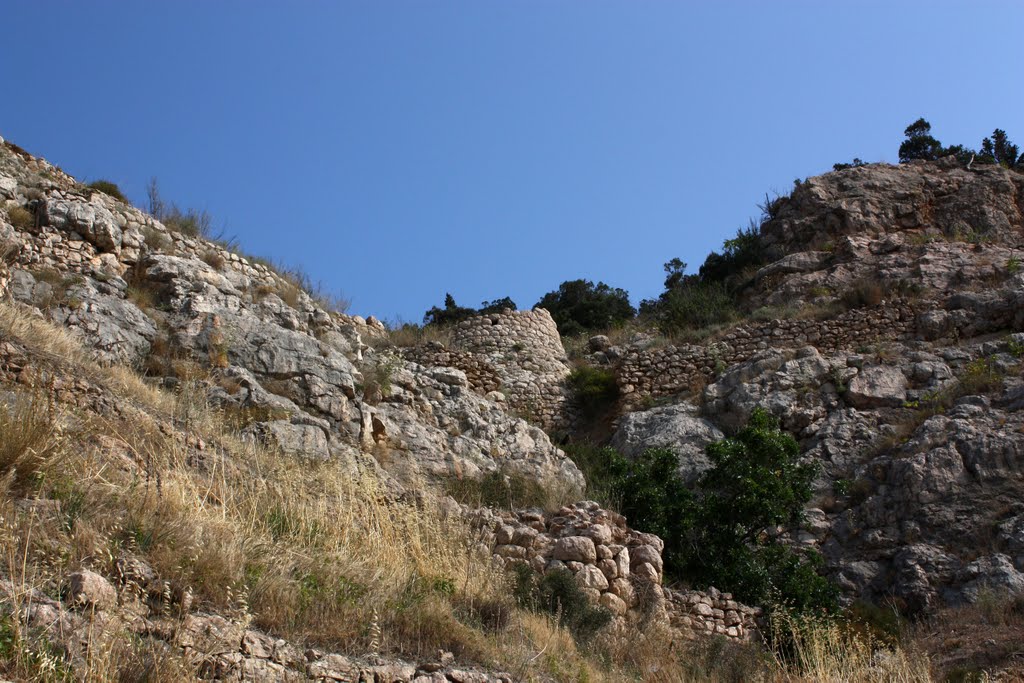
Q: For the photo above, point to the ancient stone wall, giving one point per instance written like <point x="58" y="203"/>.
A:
<point x="526" y="352"/>
<point x="615" y="566"/>
<point x="480" y="374"/>
<point x="670" y="370"/>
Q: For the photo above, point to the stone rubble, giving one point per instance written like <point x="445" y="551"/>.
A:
<point x="619" y="568"/>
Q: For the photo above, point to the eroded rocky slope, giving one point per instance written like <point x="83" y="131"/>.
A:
<point x="893" y="352"/>
<point x="887" y="338"/>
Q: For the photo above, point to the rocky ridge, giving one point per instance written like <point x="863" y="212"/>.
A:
<point x="911" y="400"/>
<point x="144" y="295"/>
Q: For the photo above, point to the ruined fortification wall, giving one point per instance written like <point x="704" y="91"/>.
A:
<point x="525" y="350"/>
<point x="673" y="369"/>
<point x="480" y="374"/>
<point x="617" y="567"/>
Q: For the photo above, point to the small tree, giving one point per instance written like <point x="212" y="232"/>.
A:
<point x="919" y="143"/>
<point x="449" y="315"/>
<point x="757" y="482"/>
<point x="580" y="306"/>
<point x="999" y="150"/>
<point x="497" y="306"/>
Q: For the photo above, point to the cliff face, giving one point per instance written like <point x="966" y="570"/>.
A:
<point x="158" y="300"/>
<point x="887" y="337"/>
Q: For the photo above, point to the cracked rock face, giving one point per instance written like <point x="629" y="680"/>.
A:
<point x="676" y="427"/>
<point x="135" y="291"/>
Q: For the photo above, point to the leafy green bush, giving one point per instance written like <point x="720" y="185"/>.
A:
<point x="580" y="306"/>
<point x="842" y="166"/>
<point x="999" y="150"/>
<point x="108" y="188"/>
<point x="604" y="470"/>
<point x="719" y="534"/>
<point x="738" y="254"/>
<point x="594" y="390"/>
<point x="695" y="304"/>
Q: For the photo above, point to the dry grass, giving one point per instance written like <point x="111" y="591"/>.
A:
<point x="21" y="218"/>
<point x="30" y="440"/>
<point x="318" y="553"/>
<point x="407" y="335"/>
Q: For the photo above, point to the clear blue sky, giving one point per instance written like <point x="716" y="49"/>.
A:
<point x="401" y="150"/>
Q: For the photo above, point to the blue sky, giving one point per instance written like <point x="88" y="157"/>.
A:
<point x="401" y="150"/>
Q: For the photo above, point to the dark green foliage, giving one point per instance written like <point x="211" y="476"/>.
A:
<point x="856" y="163"/>
<point x="919" y="143"/>
<point x="718" y="534"/>
<point x="693" y="304"/>
<point x="962" y="154"/>
<point x="653" y="491"/>
<point x="739" y="253"/>
<point x="498" y="305"/>
<point x="557" y="592"/>
<point x="757" y="482"/>
<point x="580" y="306"/>
<point x="108" y="188"/>
<point x="999" y="150"/>
<point x="604" y="469"/>
<point x="593" y="389"/>
<point x="452" y="313"/>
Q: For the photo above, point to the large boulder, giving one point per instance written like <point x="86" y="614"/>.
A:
<point x="877" y="386"/>
<point x="677" y="427"/>
<point x="92" y="221"/>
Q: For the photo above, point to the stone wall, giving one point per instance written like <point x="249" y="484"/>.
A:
<point x="526" y="352"/>
<point x="670" y="370"/>
<point x="480" y="374"/>
<point x="617" y="567"/>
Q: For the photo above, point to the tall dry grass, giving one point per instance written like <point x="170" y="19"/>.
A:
<point x="318" y="553"/>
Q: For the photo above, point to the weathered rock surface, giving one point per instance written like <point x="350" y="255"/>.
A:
<point x="146" y="296"/>
<point x="677" y="427"/>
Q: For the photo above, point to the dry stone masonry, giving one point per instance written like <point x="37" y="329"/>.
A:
<point x="480" y="374"/>
<point x="617" y="567"/>
<point x="526" y="352"/>
<point x="668" y="370"/>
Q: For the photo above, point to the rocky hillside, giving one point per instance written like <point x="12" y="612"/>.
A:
<point x="218" y="476"/>
<point x="887" y="335"/>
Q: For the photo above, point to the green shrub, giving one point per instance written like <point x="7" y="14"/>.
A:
<point x="695" y="305"/>
<point x="720" y="534"/>
<point x="919" y="143"/>
<point x="740" y="253"/>
<point x="452" y="313"/>
<point x="604" y="470"/>
<point x="580" y="307"/>
<point x="108" y="188"/>
<point x="856" y="163"/>
<point x="594" y="390"/>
